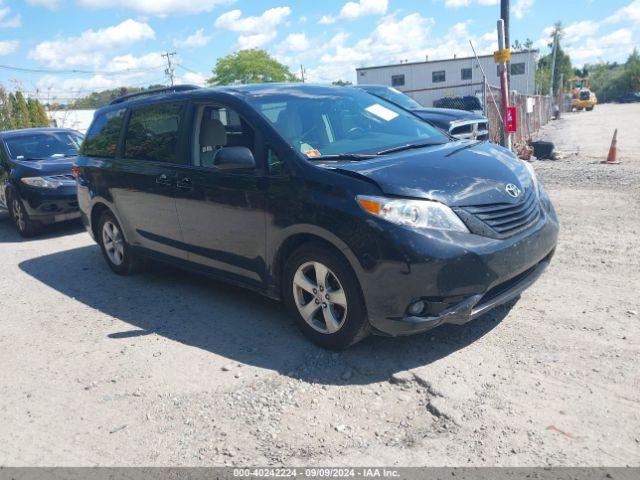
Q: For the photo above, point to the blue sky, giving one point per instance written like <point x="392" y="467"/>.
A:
<point x="84" y="45"/>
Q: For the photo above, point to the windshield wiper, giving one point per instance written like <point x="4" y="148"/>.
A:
<point x="409" y="146"/>
<point x="344" y="156"/>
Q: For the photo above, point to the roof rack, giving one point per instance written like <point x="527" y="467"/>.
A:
<point x="155" y="91"/>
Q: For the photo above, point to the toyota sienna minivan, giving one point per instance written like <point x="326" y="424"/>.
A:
<point x="358" y="215"/>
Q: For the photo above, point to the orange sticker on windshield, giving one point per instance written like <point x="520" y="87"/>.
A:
<point x="312" y="152"/>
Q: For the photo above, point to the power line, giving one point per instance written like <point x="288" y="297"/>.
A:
<point x="80" y="71"/>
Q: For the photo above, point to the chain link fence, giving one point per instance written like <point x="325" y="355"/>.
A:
<point x="533" y="111"/>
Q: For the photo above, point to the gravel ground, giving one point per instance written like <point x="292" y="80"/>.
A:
<point x="167" y="368"/>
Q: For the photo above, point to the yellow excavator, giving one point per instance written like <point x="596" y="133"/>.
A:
<point x="582" y="98"/>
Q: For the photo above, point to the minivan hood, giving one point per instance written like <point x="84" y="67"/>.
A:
<point x="457" y="173"/>
<point x="45" y="167"/>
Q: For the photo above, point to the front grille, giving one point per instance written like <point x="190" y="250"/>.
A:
<point x="505" y="218"/>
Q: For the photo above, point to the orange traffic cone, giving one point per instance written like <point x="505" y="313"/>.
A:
<point x="612" y="158"/>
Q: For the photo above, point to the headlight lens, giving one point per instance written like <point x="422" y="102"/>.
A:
<point x="41" y="182"/>
<point x="413" y="213"/>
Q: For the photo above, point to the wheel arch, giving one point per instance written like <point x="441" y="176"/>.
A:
<point x="303" y="236"/>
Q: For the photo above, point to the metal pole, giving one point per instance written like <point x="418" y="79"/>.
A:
<point x="504" y="15"/>
<point x="484" y="75"/>
<point x="553" y="63"/>
<point x="505" y="138"/>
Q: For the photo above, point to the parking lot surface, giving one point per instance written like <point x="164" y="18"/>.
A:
<point x="168" y="368"/>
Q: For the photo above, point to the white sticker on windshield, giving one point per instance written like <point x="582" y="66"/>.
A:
<point x="382" y="112"/>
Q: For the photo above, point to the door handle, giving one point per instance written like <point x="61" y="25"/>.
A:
<point x="184" y="183"/>
<point x="163" y="179"/>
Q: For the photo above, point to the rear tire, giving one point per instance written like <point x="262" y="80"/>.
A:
<point x="323" y="295"/>
<point x="26" y="227"/>
<point x="117" y="252"/>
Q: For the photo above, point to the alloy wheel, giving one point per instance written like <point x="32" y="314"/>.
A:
<point x="320" y="298"/>
<point x="113" y="242"/>
<point x="19" y="215"/>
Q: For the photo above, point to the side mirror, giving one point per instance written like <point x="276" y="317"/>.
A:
<point x="234" y="158"/>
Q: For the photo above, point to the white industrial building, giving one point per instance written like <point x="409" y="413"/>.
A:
<point x="75" y="119"/>
<point x="431" y="80"/>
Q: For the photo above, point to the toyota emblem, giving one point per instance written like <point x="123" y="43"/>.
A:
<point x="512" y="190"/>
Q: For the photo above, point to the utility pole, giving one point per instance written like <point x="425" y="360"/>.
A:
<point x="504" y="15"/>
<point x="302" y="72"/>
<point x="553" y="63"/>
<point x="553" y="69"/>
<point x="505" y="138"/>
<point x="169" y="71"/>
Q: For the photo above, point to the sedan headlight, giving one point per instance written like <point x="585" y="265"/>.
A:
<point x="413" y="213"/>
<point x="41" y="182"/>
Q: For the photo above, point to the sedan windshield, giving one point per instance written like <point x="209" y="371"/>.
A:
<point x="35" y="146"/>
<point x="332" y="121"/>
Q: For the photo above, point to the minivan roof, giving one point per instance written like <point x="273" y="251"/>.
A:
<point x="241" y="90"/>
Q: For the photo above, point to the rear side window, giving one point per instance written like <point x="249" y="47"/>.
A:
<point x="152" y="133"/>
<point x="102" y="137"/>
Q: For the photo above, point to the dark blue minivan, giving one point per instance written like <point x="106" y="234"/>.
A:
<point x="361" y="217"/>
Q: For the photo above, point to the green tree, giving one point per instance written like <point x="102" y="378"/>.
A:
<point x="249" y="66"/>
<point x="342" y="83"/>
<point x="6" y="111"/>
<point x="632" y="71"/>
<point x="43" y="118"/>
<point x="20" y="110"/>
<point x="518" y="46"/>
<point x="563" y="65"/>
<point x="32" y="108"/>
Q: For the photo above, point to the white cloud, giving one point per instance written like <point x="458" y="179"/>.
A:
<point x="612" y="46"/>
<point x="521" y="7"/>
<point x="295" y="42"/>
<point x="194" y="78"/>
<point x="198" y="39"/>
<point x="395" y="38"/>
<point x="160" y="8"/>
<point x="149" y="61"/>
<point x="466" y="3"/>
<point x="8" y="46"/>
<point x="360" y="8"/>
<point x="7" y="20"/>
<point x="50" y="4"/>
<point x="629" y="13"/>
<point x="255" y="31"/>
<point x="89" y="48"/>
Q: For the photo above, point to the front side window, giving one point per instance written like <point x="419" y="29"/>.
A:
<point x="153" y="133"/>
<point x="438" y="76"/>
<point x="397" y="80"/>
<point x="342" y="121"/>
<point x="219" y="127"/>
<point x="103" y="135"/>
<point x="36" y="146"/>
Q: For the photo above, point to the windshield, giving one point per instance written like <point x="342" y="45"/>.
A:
<point x="394" y="96"/>
<point x="332" y="121"/>
<point x="34" y="146"/>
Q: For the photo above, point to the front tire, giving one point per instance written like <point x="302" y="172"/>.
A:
<point x="324" y="297"/>
<point x="26" y="227"/>
<point x="117" y="252"/>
